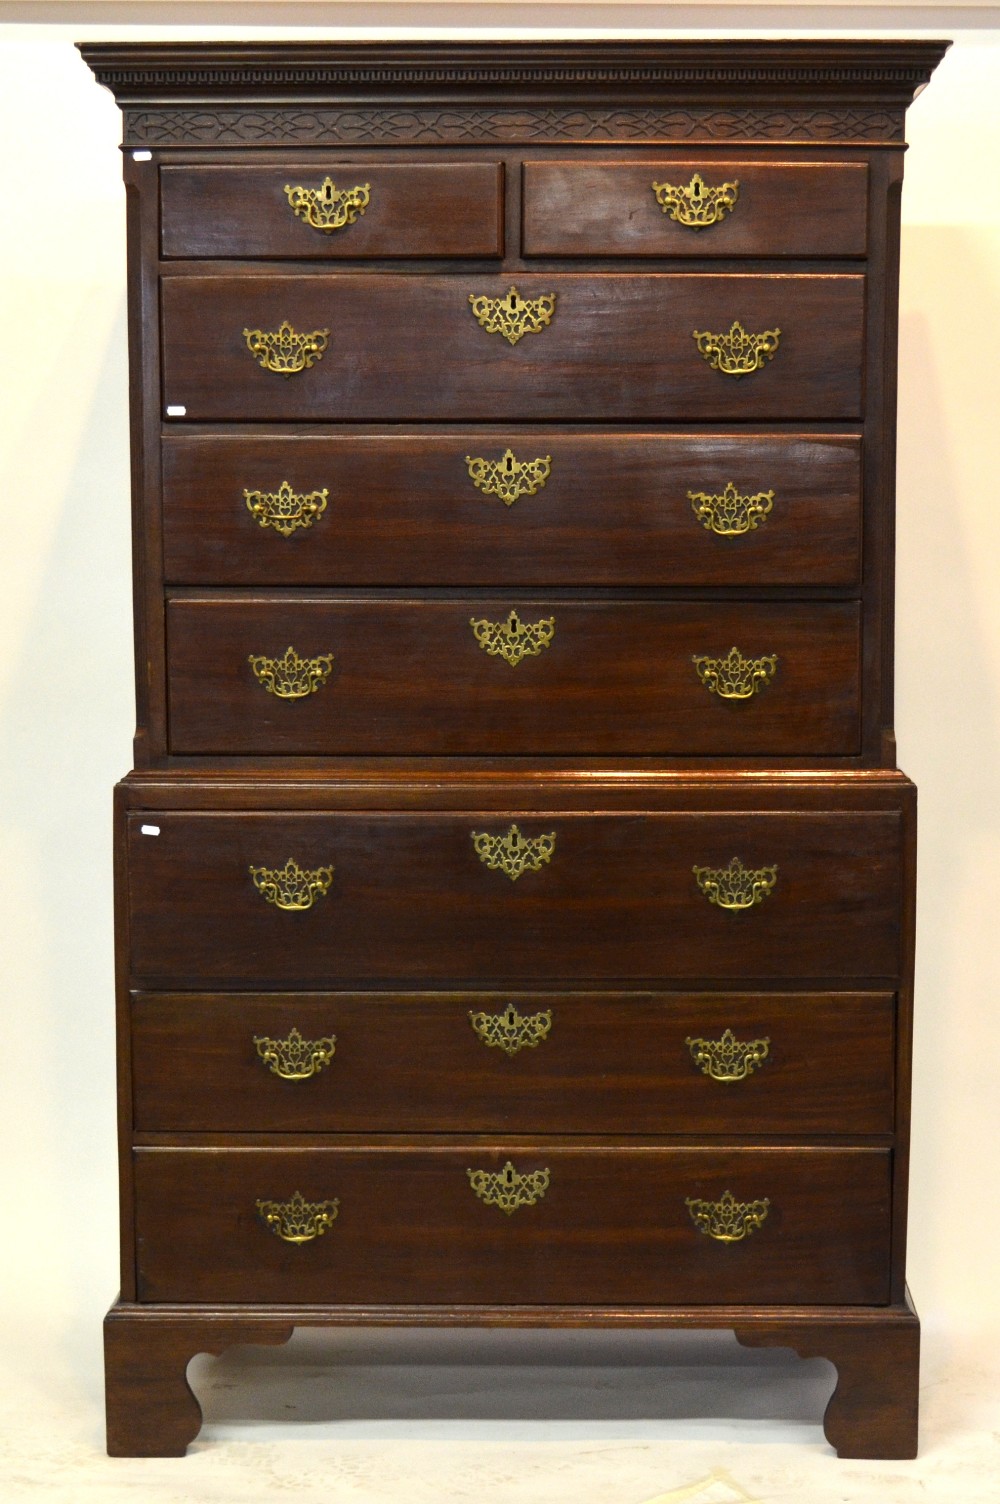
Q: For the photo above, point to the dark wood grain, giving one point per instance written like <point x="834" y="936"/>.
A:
<point x="411" y="899"/>
<point x="612" y="1226"/>
<point x="608" y="208"/>
<point x="614" y="510"/>
<point x="415" y="209"/>
<point x="618" y="348"/>
<point x="615" y="1063"/>
<point x="410" y="676"/>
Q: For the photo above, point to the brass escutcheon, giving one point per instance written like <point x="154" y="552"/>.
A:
<point x="292" y="887"/>
<point x="730" y="514"/>
<point x="295" y="1058"/>
<point x="509" y="477"/>
<point x="737" y="353"/>
<point x="727" y="1220"/>
<point x="296" y="1220"/>
<point x="513" y="853"/>
<point x="507" y="1189"/>
<point x="326" y="208"/>
<point x="511" y="1031"/>
<point x="285" y="510"/>
<point x="285" y="351"/>
<point x="735" y="887"/>
<point x="697" y="205"/>
<point x="513" y="316"/>
<point x="291" y="677"/>
<point x="728" y="1058"/>
<point x="513" y="639"/>
<point x="734" y="677"/>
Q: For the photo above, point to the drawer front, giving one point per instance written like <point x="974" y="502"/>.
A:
<point x="413" y="899"/>
<point x="499" y="675"/>
<point x="615" y="348"/>
<point x="737" y="208"/>
<point x="559" y="508"/>
<point x="604" y="1224"/>
<point x="369" y="209"/>
<point x="522" y="1063"/>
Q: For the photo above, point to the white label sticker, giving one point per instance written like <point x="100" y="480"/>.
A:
<point x="142" y="156"/>
<point x="149" y="830"/>
<point x="176" y="412"/>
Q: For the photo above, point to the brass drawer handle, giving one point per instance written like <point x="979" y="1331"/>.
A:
<point x="734" y="677"/>
<point x="728" y="1058"/>
<point x="730" y="514"/>
<point x="511" y="1031"/>
<point x="285" y="509"/>
<point x="513" y="853"/>
<point x="328" y="208"/>
<point x="295" y="1058"/>
<point x="509" y="477"/>
<point x="291" y="677"/>
<point x="735" y="887"/>
<point x="285" y="351"/>
<point x="292" y="887"/>
<point x="737" y="353"/>
<point x="507" y="1189"/>
<point x="513" y="316"/>
<point x="297" y="1220"/>
<point x="727" y="1220"/>
<point x="513" y="639"/>
<point x="696" y="204"/>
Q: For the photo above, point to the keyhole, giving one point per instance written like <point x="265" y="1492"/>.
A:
<point x="696" y="193"/>
<point x="513" y="301"/>
<point x="510" y="464"/>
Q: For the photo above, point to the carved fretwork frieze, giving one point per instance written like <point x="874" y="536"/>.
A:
<point x="275" y="125"/>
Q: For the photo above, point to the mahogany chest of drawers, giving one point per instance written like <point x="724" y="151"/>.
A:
<point x="515" y="885"/>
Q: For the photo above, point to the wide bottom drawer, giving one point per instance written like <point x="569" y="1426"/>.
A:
<point x="542" y="1062"/>
<point x="526" y="1222"/>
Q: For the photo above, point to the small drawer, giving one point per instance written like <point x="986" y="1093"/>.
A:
<point x="525" y="506"/>
<point x="393" y="348"/>
<point x="328" y="209"/>
<point x="692" y="206"/>
<point x="288" y="899"/>
<point x="524" y="1221"/>
<point x="506" y="675"/>
<point x="776" y="1063"/>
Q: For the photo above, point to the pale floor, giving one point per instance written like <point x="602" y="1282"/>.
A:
<point x="537" y="1418"/>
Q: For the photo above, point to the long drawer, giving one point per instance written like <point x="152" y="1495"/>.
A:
<point x="512" y="506"/>
<point x="401" y="347"/>
<point x="519" y="1222"/>
<point x="733" y="1064"/>
<point x="499" y="675"/>
<point x="290" y="899"/>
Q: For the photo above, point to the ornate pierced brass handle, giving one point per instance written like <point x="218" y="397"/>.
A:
<point x="285" y="350"/>
<point x="292" y="887"/>
<point x="728" y="1058"/>
<point x="291" y="677"/>
<point x="734" y="677"/>
<point x="295" y="1058"/>
<point x="286" y="510"/>
<point x="328" y="208"/>
<point x="513" y="639"/>
<point x="507" y="1189"/>
<point x="696" y="204"/>
<point x="513" y="316"/>
<point x="511" y="1031"/>
<point x="737" y="353"/>
<point x="296" y="1220"/>
<point x="509" y="477"/>
<point x="735" y="887"/>
<point x="730" y="514"/>
<point x="513" y="853"/>
<point x="727" y="1220"/>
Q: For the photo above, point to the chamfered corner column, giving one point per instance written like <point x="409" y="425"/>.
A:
<point x="151" y="1409"/>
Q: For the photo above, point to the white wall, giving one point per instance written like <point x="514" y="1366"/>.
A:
<point x="65" y="666"/>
